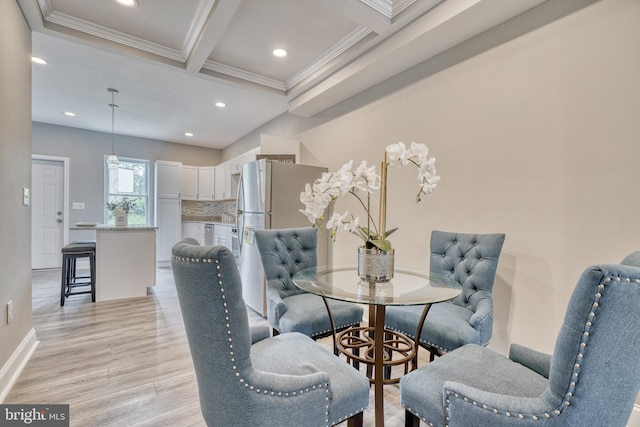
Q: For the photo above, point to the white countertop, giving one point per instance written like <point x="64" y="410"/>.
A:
<point x="230" y="224"/>
<point x="101" y="227"/>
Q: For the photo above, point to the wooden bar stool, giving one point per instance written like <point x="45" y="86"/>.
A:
<point x="70" y="280"/>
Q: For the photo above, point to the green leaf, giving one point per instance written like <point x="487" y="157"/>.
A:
<point x="361" y="234"/>
<point x="390" y="232"/>
<point x="371" y="235"/>
<point x="383" y="245"/>
<point x="365" y="229"/>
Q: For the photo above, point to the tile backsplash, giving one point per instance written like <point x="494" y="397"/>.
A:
<point x="193" y="209"/>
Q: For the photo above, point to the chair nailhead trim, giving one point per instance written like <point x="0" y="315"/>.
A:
<point x="576" y="367"/>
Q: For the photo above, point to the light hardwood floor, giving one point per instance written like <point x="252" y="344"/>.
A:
<point x="124" y="363"/>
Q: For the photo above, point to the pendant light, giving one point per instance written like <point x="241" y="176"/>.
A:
<point x="112" y="159"/>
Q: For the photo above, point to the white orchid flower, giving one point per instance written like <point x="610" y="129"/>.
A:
<point x="326" y="190"/>
<point x="430" y="184"/>
<point x="336" y="222"/>
<point x="397" y="153"/>
<point x="353" y="225"/>
<point x="419" y="152"/>
<point x="365" y="178"/>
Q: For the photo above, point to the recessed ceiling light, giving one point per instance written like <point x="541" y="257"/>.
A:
<point x="37" y="60"/>
<point x="128" y="3"/>
<point x="69" y="113"/>
<point x="221" y="104"/>
<point x="188" y="134"/>
<point x="280" y="53"/>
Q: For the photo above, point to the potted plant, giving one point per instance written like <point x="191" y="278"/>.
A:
<point x="375" y="257"/>
<point x="120" y="209"/>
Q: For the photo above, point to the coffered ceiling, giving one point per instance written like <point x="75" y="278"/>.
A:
<point x="173" y="60"/>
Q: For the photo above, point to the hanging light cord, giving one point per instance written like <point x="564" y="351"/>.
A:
<point x="113" y="106"/>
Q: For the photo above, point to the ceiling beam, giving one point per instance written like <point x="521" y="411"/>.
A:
<point x="212" y="32"/>
<point x="32" y="13"/>
<point x="451" y="23"/>
<point x="360" y="13"/>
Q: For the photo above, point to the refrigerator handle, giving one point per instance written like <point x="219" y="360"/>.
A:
<point x="240" y="231"/>
<point x="239" y="192"/>
<point x="239" y="210"/>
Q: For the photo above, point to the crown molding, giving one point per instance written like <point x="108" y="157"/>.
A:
<point x="338" y="49"/>
<point x="243" y="75"/>
<point x="99" y="31"/>
<point x="388" y="8"/>
<point x="46" y="7"/>
<point x="115" y="36"/>
<point x="197" y="25"/>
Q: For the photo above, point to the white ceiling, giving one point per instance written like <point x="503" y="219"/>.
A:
<point x="172" y="60"/>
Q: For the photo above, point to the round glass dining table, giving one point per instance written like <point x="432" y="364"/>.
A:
<point x="372" y="344"/>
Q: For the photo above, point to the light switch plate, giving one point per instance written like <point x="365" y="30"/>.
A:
<point x="25" y="196"/>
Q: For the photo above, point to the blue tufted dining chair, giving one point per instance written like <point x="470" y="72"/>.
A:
<point x="633" y="259"/>
<point x="245" y="377"/>
<point x="284" y="252"/>
<point x="592" y="378"/>
<point x="472" y="260"/>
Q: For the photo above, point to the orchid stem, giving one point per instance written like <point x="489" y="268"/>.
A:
<point x="367" y="207"/>
<point x="383" y="196"/>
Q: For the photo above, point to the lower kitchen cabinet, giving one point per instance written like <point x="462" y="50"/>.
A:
<point x="167" y="219"/>
<point x="194" y="230"/>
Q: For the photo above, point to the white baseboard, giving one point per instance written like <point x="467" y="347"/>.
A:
<point x="13" y="368"/>
<point x="634" y="420"/>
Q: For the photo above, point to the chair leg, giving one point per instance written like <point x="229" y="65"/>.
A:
<point x="63" y="281"/>
<point x="92" y="266"/>
<point x="71" y="270"/>
<point x="356" y="352"/>
<point x="410" y="420"/>
<point x="356" y="420"/>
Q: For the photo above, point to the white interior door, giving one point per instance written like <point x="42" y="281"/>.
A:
<point x="47" y="213"/>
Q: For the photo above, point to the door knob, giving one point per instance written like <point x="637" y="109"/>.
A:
<point x="59" y="213"/>
<point x="58" y="220"/>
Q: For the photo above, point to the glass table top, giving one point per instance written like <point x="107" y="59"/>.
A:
<point x="406" y="288"/>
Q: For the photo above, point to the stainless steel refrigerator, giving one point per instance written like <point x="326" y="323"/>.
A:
<point x="269" y="198"/>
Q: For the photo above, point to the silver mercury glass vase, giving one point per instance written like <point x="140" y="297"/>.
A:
<point x="375" y="265"/>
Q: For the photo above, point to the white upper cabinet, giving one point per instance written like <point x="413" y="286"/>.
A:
<point x="168" y="179"/>
<point x="197" y="182"/>
<point x="189" y="182"/>
<point x="206" y="180"/>
<point x="243" y="159"/>
<point x="222" y="181"/>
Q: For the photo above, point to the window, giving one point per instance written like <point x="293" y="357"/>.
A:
<point x="129" y="181"/>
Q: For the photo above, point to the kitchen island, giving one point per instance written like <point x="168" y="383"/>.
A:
<point x="125" y="261"/>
